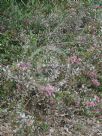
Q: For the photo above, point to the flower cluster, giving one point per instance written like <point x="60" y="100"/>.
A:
<point x="75" y="60"/>
<point x="95" y="82"/>
<point x="93" y="76"/>
<point x="93" y="102"/>
<point x="23" y="66"/>
<point x="48" y="90"/>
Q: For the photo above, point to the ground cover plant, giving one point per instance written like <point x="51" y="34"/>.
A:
<point x="50" y="68"/>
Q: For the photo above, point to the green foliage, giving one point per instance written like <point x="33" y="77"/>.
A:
<point x="10" y="50"/>
<point x="44" y="127"/>
<point x="7" y="89"/>
<point x="45" y="34"/>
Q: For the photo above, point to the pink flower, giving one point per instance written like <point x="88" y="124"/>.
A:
<point x="97" y="99"/>
<point x="90" y="104"/>
<point x="95" y="82"/>
<point x="48" y="90"/>
<point x="23" y="66"/>
<point x="98" y="7"/>
<point x="92" y="74"/>
<point x="75" y="59"/>
<point x="94" y="101"/>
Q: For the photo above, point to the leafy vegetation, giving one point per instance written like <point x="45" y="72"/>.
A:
<point x="50" y="67"/>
